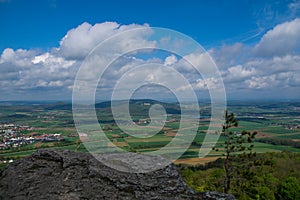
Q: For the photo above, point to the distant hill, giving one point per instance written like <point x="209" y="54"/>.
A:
<point x="142" y="105"/>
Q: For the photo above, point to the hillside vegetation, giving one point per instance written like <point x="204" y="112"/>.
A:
<point x="270" y="176"/>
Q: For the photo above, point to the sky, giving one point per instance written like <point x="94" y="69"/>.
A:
<point x="255" y="44"/>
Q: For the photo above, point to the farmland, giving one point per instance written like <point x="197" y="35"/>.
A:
<point x="277" y="124"/>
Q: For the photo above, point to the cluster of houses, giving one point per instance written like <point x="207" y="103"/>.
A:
<point x="11" y="136"/>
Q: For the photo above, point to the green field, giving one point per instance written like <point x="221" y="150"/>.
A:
<point x="276" y="120"/>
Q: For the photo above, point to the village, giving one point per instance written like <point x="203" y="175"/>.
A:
<point x="13" y="136"/>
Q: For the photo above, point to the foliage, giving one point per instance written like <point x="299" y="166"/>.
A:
<point x="289" y="189"/>
<point x="234" y="166"/>
<point x="201" y="181"/>
<point x="268" y="180"/>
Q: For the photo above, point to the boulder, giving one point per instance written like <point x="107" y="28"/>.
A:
<point x="63" y="174"/>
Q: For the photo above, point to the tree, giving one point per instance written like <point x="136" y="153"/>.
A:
<point x="289" y="189"/>
<point x="235" y="142"/>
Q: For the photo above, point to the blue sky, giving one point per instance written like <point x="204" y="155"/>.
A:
<point x="254" y="43"/>
<point x="41" y="24"/>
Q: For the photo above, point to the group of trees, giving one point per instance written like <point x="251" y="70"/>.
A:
<point x="270" y="176"/>
<point x="244" y="173"/>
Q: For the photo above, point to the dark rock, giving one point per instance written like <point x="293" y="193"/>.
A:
<point x="52" y="174"/>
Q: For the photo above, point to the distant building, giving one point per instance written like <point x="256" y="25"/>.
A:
<point x="3" y="146"/>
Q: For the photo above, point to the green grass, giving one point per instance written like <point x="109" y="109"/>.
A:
<point x="173" y="125"/>
<point x="18" y="153"/>
<point x="290" y="136"/>
<point x="278" y="130"/>
<point x="143" y="145"/>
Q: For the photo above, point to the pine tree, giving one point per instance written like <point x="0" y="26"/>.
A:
<point x="235" y="142"/>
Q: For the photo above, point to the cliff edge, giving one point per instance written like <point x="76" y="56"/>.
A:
<point x="55" y="174"/>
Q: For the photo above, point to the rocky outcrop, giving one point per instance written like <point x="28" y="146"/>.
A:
<point x="52" y="174"/>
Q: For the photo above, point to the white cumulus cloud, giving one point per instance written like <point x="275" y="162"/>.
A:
<point x="238" y="73"/>
<point x="170" y="60"/>
<point x="281" y="40"/>
<point x="271" y="64"/>
<point x="79" y="41"/>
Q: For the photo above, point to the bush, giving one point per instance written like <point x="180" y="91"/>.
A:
<point x="265" y="192"/>
<point x="289" y="189"/>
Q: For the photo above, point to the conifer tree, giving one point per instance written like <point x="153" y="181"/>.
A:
<point x="235" y="142"/>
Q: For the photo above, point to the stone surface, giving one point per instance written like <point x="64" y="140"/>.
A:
<point x="53" y="174"/>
